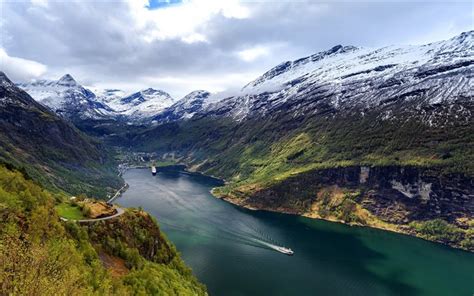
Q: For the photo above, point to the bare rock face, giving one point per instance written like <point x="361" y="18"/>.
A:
<point x="394" y="194"/>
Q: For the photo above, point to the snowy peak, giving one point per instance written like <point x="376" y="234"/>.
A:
<point x="348" y="62"/>
<point x="195" y="96"/>
<point x="5" y="81"/>
<point x="290" y="66"/>
<point x="66" y="97"/>
<point x="192" y="103"/>
<point x="67" y="81"/>
<point x="459" y="46"/>
<point x="153" y="92"/>
<point x="108" y="95"/>
<point x="12" y="96"/>
<point x="146" y="95"/>
<point x="136" y="107"/>
<point x="348" y="78"/>
<point x="3" y="77"/>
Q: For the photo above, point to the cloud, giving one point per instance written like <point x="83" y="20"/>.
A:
<point x="195" y="37"/>
<point x="43" y="3"/>
<point x="20" y="69"/>
<point x="205" y="44"/>
<point x="253" y="53"/>
<point x="183" y="20"/>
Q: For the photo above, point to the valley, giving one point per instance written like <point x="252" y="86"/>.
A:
<point x="219" y="241"/>
<point x="368" y="137"/>
<point x="300" y="136"/>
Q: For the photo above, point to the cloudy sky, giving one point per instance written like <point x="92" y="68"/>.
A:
<point x="180" y="46"/>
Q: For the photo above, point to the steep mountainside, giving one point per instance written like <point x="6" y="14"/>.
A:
<point x="346" y="107"/>
<point x="49" y="149"/>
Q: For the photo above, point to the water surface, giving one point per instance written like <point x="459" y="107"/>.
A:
<point x="228" y="247"/>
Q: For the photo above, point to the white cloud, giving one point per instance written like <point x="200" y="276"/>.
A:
<point x="184" y="20"/>
<point x="195" y="37"/>
<point x="253" y="53"/>
<point x="42" y="3"/>
<point x="19" y="69"/>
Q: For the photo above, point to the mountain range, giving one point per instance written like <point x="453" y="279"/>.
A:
<point x="380" y="137"/>
<point x="343" y="78"/>
<point x="77" y="103"/>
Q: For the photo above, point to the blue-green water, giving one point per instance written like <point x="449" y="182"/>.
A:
<point x="227" y="247"/>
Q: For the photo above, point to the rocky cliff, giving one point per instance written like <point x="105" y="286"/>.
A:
<point x="390" y="197"/>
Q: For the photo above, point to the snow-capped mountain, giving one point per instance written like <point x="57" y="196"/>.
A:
<point x="67" y="98"/>
<point x="71" y="100"/>
<point x="184" y="108"/>
<point x="341" y="78"/>
<point x="349" y="78"/>
<point x="107" y="96"/>
<point x="138" y="106"/>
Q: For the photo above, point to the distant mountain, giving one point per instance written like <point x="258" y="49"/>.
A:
<point x="107" y="96"/>
<point x="184" y="108"/>
<point x="82" y="106"/>
<point x="48" y="148"/>
<point x="67" y="98"/>
<point x="139" y="106"/>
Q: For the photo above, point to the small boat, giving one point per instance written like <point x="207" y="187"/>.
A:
<point x="286" y="251"/>
<point x="153" y="170"/>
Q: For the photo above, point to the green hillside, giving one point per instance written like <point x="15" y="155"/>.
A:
<point x="39" y="255"/>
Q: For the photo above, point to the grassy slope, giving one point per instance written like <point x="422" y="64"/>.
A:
<point x="40" y="255"/>
<point x="69" y="211"/>
<point x="267" y="151"/>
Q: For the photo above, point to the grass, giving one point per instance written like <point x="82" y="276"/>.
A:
<point x="69" y="211"/>
<point x="164" y="163"/>
<point x="264" y="152"/>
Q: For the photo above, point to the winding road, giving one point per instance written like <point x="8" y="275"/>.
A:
<point x="120" y="211"/>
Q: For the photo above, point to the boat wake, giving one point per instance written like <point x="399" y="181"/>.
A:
<point x="244" y="235"/>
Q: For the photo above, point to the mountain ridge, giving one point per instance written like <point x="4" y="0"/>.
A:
<point x="335" y="72"/>
<point x="50" y="149"/>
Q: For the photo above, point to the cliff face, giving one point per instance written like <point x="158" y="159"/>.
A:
<point x="135" y="230"/>
<point x="389" y="197"/>
<point x="421" y="193"/>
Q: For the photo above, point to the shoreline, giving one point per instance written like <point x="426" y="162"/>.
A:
<point x="118" y="193"/>
<point x="396" y="229"/>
